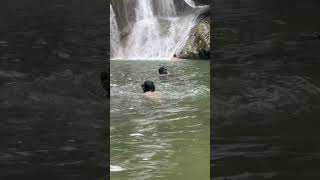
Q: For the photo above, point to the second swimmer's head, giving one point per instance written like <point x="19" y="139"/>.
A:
<point x="162" y="70"/>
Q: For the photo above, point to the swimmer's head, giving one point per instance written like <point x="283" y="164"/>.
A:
<point x="162" y="70"/>
<point x="148" y="86"/>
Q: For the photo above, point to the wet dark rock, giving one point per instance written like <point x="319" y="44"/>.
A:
<point x="198" y="44"/>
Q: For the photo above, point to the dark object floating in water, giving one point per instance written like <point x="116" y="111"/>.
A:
<point x="105" y="79"/>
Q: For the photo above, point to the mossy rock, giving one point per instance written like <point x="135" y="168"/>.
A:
<point x="198" y="44"/>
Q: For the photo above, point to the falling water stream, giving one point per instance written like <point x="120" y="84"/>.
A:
<point x="157" y="33"/>
<point x="114" y="34"/>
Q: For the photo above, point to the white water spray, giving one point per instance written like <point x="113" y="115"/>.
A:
<point x="114" y="36"/>
<point x="191" y="3"/>
<point x="166" y="8"/>
<point x="157" y="33"/>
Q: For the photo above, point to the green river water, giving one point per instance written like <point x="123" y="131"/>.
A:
<point x="166" y="137"/>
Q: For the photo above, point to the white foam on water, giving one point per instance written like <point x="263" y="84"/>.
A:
<point x="136" y="134"/>
<point x="116" y="168"/>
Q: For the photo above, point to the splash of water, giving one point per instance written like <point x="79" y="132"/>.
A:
<point x="116" y="168"/>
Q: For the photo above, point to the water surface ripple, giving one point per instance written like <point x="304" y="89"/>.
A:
<point x="151" y="137"/>
<point x="266" y="90"/>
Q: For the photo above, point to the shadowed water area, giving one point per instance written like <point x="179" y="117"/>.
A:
<point x="52" y="106"/>
<point x="165" y="137"/>
<point x="266" y="90"/>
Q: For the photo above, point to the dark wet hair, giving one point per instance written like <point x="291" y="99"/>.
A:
<point x="148" y="86"/>
<point x="162" y="70"/>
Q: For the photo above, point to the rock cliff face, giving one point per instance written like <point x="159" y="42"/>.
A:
<point x="198" y="44"/>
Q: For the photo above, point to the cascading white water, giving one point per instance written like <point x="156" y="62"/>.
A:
<point x="166" y="8"/>
<point x="114" y="36"/>
<point x="144" y="10"/>
<point x="157" y="33"/>
<point x="191" y="3"/>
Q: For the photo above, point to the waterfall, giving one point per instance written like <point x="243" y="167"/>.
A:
<point x="115" y="45"/>
<point x="144" y="10"/>
<point x="156" y="33"/>
<point x="166" y="8"/>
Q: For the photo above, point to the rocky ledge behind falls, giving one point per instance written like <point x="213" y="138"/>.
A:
<point x="198" y="44"/>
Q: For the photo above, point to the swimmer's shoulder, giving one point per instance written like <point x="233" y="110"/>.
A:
<point x="152" y="94"/>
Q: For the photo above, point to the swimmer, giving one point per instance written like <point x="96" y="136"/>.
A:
<point x="149" y="89"/>
<point x="163" y="74"/>
<point x="162" y="70"/>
